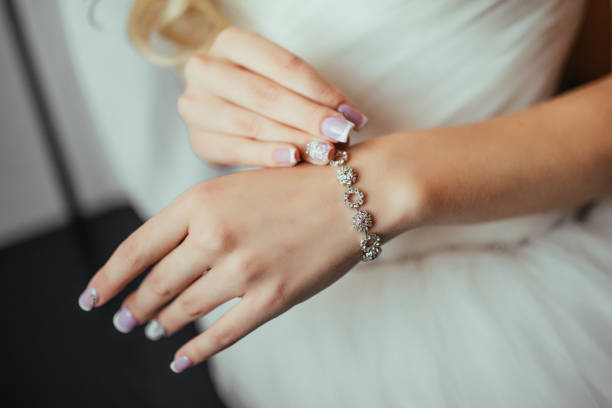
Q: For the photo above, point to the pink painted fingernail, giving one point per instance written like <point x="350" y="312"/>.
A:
<point x="154" y="330"/>
<point x="288" y="155"/>
<point x="180" y="364"/>
<point x="124" y="321"/>
<point x="352" y="114"/>
<point x="319" y="150"/>
<point x="88" y="299"/>
<point x="336" y="129"/>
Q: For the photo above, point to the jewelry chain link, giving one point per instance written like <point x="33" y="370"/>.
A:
<point x="369" y="245"/>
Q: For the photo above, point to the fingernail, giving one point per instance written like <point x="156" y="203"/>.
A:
<point x="352" y="114"/>
<point x="318" y="150"/>
<point x="124" y="321"/>
<point x="288" y="155"/>
<point x="180" y="364"/>
<point x="154" y="330"/>
<point x="336" y="129"/>
<point x="88" y="298"/>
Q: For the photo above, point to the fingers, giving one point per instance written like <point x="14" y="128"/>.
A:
<point x="261" y="91"/>
<point x="257" y="54"/>
<point x="145" y="246"/>
<point x="262" y="56"/>
<point x="211" y="117"/>
<point x="266" y="97"/>
<point x="204" y="295"/>
<point x="239" y="321"/>
<point x="219" y="148"/>
<point x="175" y="272"/>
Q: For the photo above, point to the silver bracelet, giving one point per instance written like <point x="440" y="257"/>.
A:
<point x="354" y="198"/>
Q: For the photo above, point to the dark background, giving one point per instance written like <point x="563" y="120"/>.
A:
<point x="57" y="354"/>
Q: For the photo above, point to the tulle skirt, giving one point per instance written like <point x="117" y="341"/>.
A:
<point x="528" y="325"/>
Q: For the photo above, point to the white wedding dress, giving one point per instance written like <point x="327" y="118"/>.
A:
<point x="514" y="313"/>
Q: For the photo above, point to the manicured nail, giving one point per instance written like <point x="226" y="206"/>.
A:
<point x="352" y="114"/>
<point x="180" y="364"/>
<point x="288" y="155"/>
<point x="88" y="298"/>
<point x="124" y="321"/>
<point x="154" y="330"/>
<point x="319" y="150"/>
<point x="336" y="129"/>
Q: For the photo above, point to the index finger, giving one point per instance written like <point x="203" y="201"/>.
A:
<point x="145" y="246"/>
<point x="266" y="58"/>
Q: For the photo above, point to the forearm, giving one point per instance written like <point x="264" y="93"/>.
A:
<point x="554" y="155"/>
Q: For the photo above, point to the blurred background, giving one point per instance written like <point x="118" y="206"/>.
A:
<point x="62" y="212"/>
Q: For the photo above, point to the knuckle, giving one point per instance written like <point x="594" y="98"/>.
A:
<point x="191" y="306"/>
<point x="290" y="62"/>
<point x="130" y="253"/>
<point x="276" y="297"/>
<point x="244" y="264"/>
<point x="214" y="238"/>
<point x="248" y="125"/>
<point x="243" y="271"/>
<point x="195" y="350"/>
<point x="266" y="92"/>
<point x="326" y="94"/>
<point x="158" y="286"/>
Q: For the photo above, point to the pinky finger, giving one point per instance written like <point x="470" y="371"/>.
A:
<point x="240" y="320"/>
<point x="220" y="148"/>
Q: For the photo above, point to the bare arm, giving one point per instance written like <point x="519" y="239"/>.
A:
<point x="554" y="155"/>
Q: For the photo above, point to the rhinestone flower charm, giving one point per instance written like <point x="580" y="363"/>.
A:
<point x="317" y="150"/>
<point x="362" y="220"/>
<point x="357" y="201"/>
<point x="340" y="158"/>
<point x="370" y="247"/>
<point x="346" y="175"/>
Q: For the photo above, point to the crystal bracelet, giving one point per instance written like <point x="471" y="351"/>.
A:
<point x="354" y="198"/>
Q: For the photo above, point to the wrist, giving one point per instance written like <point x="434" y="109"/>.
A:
<point x="394" y="193"/>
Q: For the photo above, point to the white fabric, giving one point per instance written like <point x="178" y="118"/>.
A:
<point x="504" y="314"/>
<point x="527" y="327"/>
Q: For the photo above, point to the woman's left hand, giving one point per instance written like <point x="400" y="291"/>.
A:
<point x="272" y="238"/>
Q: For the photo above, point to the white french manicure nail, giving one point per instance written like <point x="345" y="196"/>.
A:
<point x="287" y="155"/>
<point x="88" y="299"/>
<point x="154" y="330"/>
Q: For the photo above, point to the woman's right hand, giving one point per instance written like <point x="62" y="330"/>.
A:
<point x="249" y="102"/>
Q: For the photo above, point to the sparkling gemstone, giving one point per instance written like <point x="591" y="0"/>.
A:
<point x="362" y="220"/>
<point x="346" y="175"/>
<point x="340" y="158"/>
<point x="357" y="201"/>
<point x="370" y="247"/>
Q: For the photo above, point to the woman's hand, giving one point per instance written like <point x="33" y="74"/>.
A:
<point x="250" y="102"/>
<point x="275" y="238"/>
<point x="272" y="238"/>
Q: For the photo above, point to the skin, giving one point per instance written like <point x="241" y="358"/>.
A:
<point x="253" y="233"/>
<point x="280" y="102"/>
